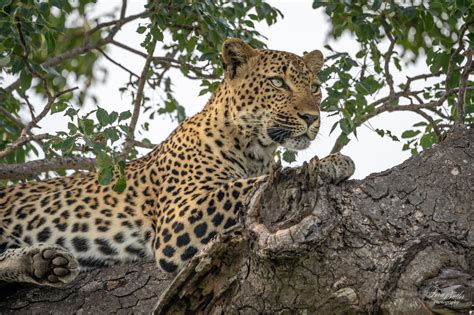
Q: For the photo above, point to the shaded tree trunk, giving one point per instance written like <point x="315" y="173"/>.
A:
<point x="399" y="241"/>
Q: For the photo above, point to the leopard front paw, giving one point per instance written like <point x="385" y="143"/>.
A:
<point x="337" y="167"/>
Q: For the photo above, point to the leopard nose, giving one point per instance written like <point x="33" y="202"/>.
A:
<point x="308" y="118"/>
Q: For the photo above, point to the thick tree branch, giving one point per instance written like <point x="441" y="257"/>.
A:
<point x="390" y="242"/>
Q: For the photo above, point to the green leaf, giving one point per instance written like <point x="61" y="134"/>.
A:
<point x="289" y="156"/>
<point x="141" y="29"/>
<point x="125" y="115"/>
<point x="72" y="128"/>
<point x="106" y="175"/>
<point x="111" y="134"/>
<point x="120" y="184"/>
<point x="368" y="86"/>
<point x="25" y="80"/>
<point x="58" y="107"/>
<point x="410" y="134"/>
<point x="427" y="141"/>
<point x="71" y="112"/>
<point x="121" y="165"/>
<point x="87" y="126"/>
<point x="68" y="145"/>
<point x="113" y="117"/>
<point x="103" y="160"/>
<point x="50" y="42"/>
<point x="102" y="116"/>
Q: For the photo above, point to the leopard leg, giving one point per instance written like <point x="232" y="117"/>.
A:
<point x="199" y="220"/>
<point x="47" y="265"/>
<point x="337" y="167"/>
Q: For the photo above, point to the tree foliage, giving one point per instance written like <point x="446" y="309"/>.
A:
<point x="52" y="50"/>
<point x="391" y="35"/>
<point x="188" y="33"/>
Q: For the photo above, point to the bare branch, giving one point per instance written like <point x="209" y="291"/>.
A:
<point x="387" y="58"/>
<point x="388" y="107"/>
<point x="420" y="77"/>
<point x="462" y="88"/>
<point x="416" y="109"/>
<point x="130" y="49"/>
<point x="32" y="168"/>
<point x="22" y="140"/>
<point x="120" y="22"/>
<point x="124" y="9"/>
<point x="171" y="62"/>
<point x="138" y="102"/>
<point x="45" y="110"/>
<point x="117" y="63"/>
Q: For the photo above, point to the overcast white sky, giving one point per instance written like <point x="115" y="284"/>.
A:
<point x="301" y="29"/>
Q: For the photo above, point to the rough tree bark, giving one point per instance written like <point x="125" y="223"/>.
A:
<point x="399" y="242"/>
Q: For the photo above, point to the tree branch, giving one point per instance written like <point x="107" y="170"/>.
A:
<point x="22" y="140"/>
<point x="32" y="168"/>
<point x="462" y="88"/>
<point x="451" y="63"/>
<point x="138" y="103"/>
<point x="168" y="61"/>
<point x="377" y="245"/>
<point x="387" y="58"/>
<point x="117" y="63"/>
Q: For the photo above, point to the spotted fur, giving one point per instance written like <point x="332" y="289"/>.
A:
<point x="181" y="195"/>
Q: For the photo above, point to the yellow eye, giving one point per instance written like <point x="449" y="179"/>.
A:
<point x="277" y="82"/>
<point x="315" y="88"/>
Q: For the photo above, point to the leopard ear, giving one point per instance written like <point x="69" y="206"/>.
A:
<point x="314" y="60"/>
<point x="236" y="52"/>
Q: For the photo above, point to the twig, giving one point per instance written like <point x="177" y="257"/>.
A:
<point x="117" y="63"/>
<point x="120" y="21"/>
<point x="137" y="103"/>
<point x="45" y="110"/>
<point x="462" y="88"/>
<point x="22" y="140"/>
<point x="387" y="57"/>
<point x="168" y="61"/>
<point x="32" y="168"/>
<point x="420" y="77"/>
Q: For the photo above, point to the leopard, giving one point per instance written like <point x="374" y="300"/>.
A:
<point x="185" y="192"/>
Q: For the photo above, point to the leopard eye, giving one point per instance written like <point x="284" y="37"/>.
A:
<point x="278" y="82"/>
<point x="315" y="88"/>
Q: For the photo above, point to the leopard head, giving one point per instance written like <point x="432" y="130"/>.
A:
<point x="275" y="95"/>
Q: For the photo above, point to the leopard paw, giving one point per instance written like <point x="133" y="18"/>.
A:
<point x="52" y="266"/>
<point x="337" y="167"/>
